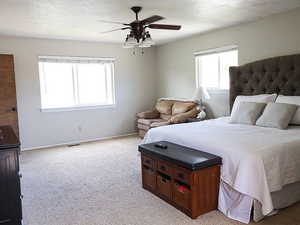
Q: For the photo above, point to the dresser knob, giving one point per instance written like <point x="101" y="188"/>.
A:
<point x="21" y="196"/>
<point x="20" y="175"/>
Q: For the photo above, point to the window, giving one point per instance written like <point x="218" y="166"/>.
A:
<point x="212" y="67"/>
<point x="75" y="82"/>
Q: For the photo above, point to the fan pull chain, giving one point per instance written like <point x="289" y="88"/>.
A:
<point x="134" y="51"/>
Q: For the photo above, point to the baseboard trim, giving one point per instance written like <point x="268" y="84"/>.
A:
<point x="78" y="142"/>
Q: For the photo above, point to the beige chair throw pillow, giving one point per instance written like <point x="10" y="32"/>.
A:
<point x="182" y="107"/>
<point x="164" y="106"/>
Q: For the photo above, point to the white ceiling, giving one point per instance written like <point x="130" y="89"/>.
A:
<point x="77" y="19"/>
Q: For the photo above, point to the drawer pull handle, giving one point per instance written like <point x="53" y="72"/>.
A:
<point x="21" y="196"/>
<point x="180" y="175"/>
<point x="163" y="168"/>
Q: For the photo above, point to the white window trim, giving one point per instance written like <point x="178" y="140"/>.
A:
<point x="77" y="108"/>
<point x="74" y="60"/>
<point x="208" y="52"/>
<point x="216" y="50"/>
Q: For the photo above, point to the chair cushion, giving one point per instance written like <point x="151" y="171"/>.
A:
<point x="182" y="107"/>
<point x="148" y="114"/>
<point x="158" y="124"/>
<point x="149" y="121"/>
<point x="164" y="106"/>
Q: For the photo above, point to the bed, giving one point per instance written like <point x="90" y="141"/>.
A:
<point x="261" y="166"/>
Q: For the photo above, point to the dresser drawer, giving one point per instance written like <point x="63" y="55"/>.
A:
<point x="148" y="161"/>
<point x="182" y="195"/>
<point x="164" y="186"/>
<point x="182" y="175"/>
<point x="164" y="167"/>
<point x="149" y="177"/>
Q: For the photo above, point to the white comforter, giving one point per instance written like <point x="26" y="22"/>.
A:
<point x="256" y="160"/>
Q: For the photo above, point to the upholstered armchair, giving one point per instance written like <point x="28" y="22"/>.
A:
<point x="166" y="112"/>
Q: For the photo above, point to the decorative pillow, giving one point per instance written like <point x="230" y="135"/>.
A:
<point x="165" y="116"/>
<point x="277" y="115"/>
<point x="164" y="106"/>
<point x="247" y="112"/>
<point x="182" y="107"/>
<point x="264" y="98"/>
<point x="291" y="100"/>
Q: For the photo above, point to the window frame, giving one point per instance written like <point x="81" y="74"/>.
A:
<point x="209" y="52"/>
<point x="74" y="61"/>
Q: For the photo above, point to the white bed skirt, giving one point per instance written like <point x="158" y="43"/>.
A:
<point x="234" y="204"/>
<point x="240" y="203"/>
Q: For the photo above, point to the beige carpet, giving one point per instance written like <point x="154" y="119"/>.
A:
<point x="99" y="183"/>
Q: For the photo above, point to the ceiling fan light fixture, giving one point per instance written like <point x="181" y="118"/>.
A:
<point x="127" y="44"/>
<point x="144" y="45"/>
<point x="139" y="36"/>
<point x="131" y="40"/>
<point x="148" y="40"/>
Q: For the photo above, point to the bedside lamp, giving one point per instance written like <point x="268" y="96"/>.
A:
<point x="200" y="94"/>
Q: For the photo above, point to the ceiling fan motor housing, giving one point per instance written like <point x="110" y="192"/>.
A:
<point x="138" y="30"/>
<point x="136" y="9"/>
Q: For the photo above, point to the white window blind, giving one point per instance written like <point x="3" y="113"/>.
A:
<point x="212" y="67"/>
<point x="69" y="82"/>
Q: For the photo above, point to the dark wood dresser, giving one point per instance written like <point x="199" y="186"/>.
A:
<point x="10" y="191"/>
<point x="186" y="178"/>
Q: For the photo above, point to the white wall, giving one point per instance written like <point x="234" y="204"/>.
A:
<point x="167" y="71"/>
<point x="273" y="36"/>
<point x="134" y="84"/>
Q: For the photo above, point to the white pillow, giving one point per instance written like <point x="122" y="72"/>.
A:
<point x="264" y="98"/>
<point x="277" y="115"/>
<point x="291" y="100"/>
<point x="247" y="112"/>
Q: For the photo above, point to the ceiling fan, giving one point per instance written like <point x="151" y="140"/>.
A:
<point x="138" y="35"/>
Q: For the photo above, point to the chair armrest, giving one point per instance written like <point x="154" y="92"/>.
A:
<point x="183" y="117"/>
<point x="152" y="114"/>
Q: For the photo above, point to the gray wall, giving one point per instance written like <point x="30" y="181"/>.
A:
<point x="272" y="36"/>
<point x="134" y="84"/>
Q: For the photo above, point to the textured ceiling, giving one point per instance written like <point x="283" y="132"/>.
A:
<point x="77" y="19"/>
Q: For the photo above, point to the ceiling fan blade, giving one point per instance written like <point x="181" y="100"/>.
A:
<point x="124" y="28"/>
<point x="114" y="22"/>
<point x="151" y="19"/>
<point x="164" y="26"/>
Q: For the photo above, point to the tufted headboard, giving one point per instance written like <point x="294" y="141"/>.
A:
<point x="279" y="75"/>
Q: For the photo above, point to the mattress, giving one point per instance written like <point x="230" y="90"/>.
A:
<point x="256" y="160"/>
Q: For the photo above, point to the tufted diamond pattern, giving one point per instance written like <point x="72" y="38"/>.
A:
<point x="279" y="75"/>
